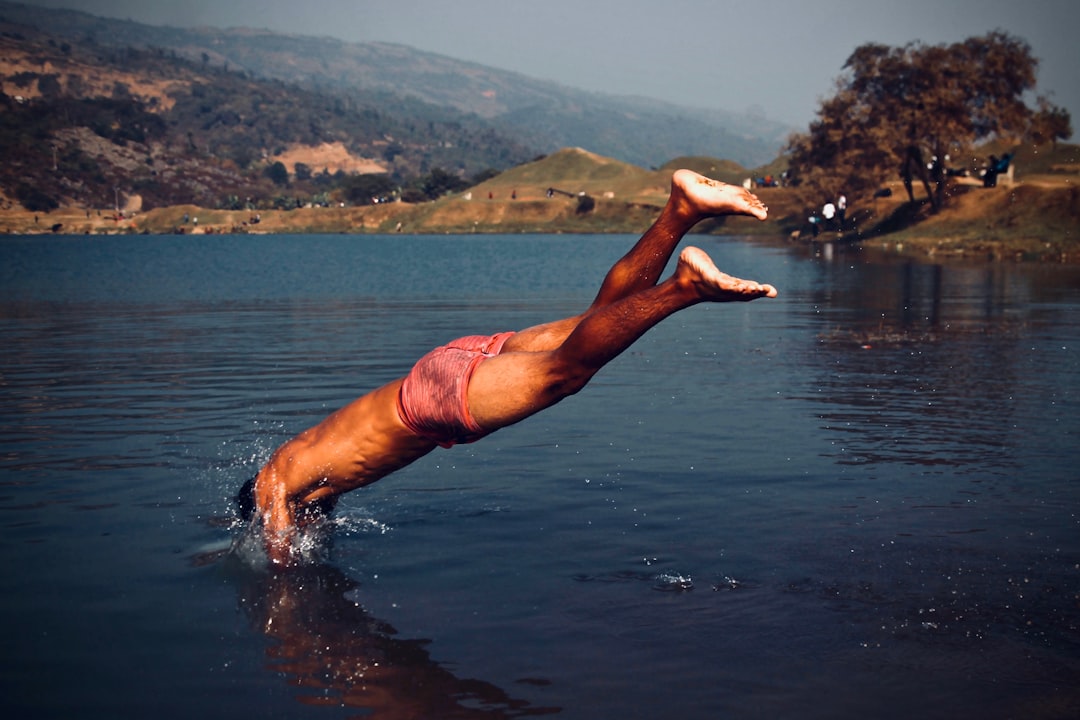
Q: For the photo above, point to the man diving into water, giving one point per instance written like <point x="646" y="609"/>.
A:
<point x="471" y="387"/>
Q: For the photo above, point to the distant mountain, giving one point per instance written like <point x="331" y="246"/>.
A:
<point x="107" y="126"/>
<point x="527" y="112"/>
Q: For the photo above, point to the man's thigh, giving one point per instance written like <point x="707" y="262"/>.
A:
<point x="514" y="385"/>
<point x="541" y="338"/>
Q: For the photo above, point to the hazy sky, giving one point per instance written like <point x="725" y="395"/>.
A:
<point x="780" y="56"/>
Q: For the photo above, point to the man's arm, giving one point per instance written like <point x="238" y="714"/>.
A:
<point x="356" y="446"/>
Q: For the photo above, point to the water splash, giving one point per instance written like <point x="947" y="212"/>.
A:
<point x="312" y="544"/>
<point x="673" y="582"/>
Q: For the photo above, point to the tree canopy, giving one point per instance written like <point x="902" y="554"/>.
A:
<point x="907" y="109"/>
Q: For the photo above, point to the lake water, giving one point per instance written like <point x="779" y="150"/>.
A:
<point x="857" y="500"/>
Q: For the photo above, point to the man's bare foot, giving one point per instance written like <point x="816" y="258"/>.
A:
<point x="705" y="196"/>
<point x="697" y="272"/>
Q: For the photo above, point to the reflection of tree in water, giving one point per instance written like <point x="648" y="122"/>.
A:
<point x="920" y="363"/>
<point x="342" y="656"/>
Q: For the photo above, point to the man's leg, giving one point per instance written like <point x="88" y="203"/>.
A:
<point x="693" y="198"/>
<point x="514" y="385"/>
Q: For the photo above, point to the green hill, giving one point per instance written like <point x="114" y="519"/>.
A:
<point x="574" y="170"/>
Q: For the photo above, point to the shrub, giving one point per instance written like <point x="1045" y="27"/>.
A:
<point x="34" y="199"/>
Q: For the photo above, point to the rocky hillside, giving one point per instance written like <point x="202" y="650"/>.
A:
<point x="101" y="126"/>
<point x="424" y="87"/>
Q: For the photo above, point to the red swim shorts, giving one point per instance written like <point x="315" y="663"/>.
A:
<point x="433" y="401"/>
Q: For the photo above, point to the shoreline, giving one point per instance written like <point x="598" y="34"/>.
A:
<point x="1028" y="221"/>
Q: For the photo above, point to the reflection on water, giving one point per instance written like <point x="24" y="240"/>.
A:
<point x="921" y="363"/>
<point x="905" y="408"/>
<point x="325" y="644"/>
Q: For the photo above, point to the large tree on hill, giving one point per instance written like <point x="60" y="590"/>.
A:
<point x="906" y="109"/>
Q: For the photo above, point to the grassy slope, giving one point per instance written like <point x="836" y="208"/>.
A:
<point x="1027" y="221"/>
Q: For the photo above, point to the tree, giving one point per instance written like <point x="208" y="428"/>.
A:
<point x="910" y="108"/>
<point x="49" y="86"/>
<point x="35" y="199"/>
<point x="1050" y="124"/>
<point x="438" y="183"/>
<point x="278" y="173"/>
<point x="366" y="189"/>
